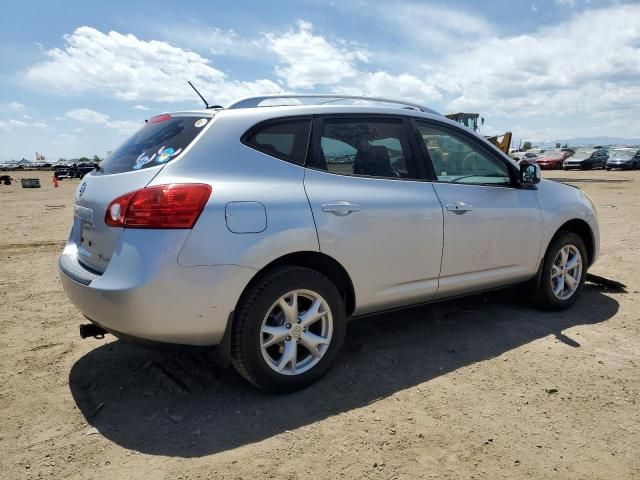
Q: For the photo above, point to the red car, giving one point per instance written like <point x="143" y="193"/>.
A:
<point x="552" y="160"/>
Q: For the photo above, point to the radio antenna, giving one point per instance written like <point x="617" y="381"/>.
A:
<point x="205" y="102"/>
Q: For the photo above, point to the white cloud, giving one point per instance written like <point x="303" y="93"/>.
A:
<point x="307" y="60"/>
<point x="383" y="84"/>
<point x="213" y="40"/>
<point x="538" y="78"/>
<point x="128" y="68"/>
<point x="433" y="28"/>
<point x="141" y="107"/>
<point x="17" y="106"/>
<point x="557" y="71"/>
<point x="12" y="124"/>
<point x="86" y="115"/>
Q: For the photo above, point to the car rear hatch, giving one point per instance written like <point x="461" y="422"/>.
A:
<point x="130" y="167"/>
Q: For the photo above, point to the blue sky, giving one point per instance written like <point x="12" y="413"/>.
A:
<point x="78" y="77"/>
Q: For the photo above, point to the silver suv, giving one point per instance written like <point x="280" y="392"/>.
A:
<point x="262" y="229"/>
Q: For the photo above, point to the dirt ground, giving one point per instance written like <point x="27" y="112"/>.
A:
<point x="484" y="387"/>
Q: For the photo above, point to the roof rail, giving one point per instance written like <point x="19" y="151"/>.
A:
<point x="250" y="102"/>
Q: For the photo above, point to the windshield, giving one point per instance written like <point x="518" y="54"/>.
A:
<point x="582" y="154"/>
<point x="623" y="153"/>
<point x="160" y="141"/>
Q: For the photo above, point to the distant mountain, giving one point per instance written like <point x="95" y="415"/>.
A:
<point x="588" y="141"/>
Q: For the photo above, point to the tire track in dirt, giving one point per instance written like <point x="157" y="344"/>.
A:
<point x="31" y="247"/>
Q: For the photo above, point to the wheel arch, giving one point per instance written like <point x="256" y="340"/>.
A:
<point x="581" y="228"/>
<point x="320" y="262"/>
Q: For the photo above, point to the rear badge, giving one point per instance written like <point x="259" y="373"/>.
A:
<point x="81" y="190"/>
<point x="200" y="123"/>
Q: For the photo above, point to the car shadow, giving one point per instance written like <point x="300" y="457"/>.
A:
<point x="181" y="404"/>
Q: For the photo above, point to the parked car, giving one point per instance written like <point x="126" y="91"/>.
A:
<point x="518" y="156"/>
<point x="74" y="170"/>
<point x="586" y="159"/>
<point x="530" y="157"/>
<point x="228" y="227"/>
<point x="552" y="160"/>
<point x="626" y="158"/>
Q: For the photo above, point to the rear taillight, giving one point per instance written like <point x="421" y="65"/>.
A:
<point x="161" y="206"/>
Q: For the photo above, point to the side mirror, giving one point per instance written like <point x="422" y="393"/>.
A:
<point x="530" y="174"/>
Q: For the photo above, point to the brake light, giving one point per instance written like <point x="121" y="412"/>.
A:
<point x="159" y="118"/>
<point x="162" y="206"/>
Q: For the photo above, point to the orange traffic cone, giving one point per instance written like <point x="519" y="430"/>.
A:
<point x="55" y="181"/>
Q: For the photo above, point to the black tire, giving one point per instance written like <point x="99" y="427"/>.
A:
<point x="608" y="169"/>
<point x="246" y="352"/>
<point x="565" y="168"/>
<point x="559" y="166"/>
<point x="542" y="295"/>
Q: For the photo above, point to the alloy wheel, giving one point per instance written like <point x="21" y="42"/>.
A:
<point x="566" y="272"/>
<point x="296" y="332"/>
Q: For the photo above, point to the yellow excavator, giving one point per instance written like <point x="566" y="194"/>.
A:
<point x="470" y="120"/>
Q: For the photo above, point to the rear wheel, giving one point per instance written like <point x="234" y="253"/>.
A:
<point x="559" y="166"/>
<point x="562" y="274"/>
<point x="288" y="329"/>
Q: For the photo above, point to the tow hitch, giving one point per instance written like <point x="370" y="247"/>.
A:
<point x="91" y="330"/>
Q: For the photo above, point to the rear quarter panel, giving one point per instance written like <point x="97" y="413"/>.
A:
<point x="238" y="173"/>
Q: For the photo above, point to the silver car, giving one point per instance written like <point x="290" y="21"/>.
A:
<point x="263" y="229"/>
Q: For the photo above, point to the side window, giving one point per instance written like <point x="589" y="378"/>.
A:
<point x="286" y="140"/>
<point x="367" y="147"/>
<point x="457" y="160"/>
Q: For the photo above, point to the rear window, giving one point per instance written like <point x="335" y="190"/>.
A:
<point x="161" y="140"/>
<point x="286" y="140"/>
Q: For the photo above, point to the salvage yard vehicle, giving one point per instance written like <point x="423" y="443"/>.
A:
<point x="625" y="158"/>
<point x="74" y="170"/>
<point x="263" y="229"/>
<point x="587" y="158"/>
<point x="552" y="160"/>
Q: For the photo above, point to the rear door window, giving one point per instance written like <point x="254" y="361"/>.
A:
<point x="371" y="147"/>
<point x="160" y="141"/>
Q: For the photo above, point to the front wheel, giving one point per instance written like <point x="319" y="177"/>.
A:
<point x="562" y="274"/>
<point x="288" y="329"/>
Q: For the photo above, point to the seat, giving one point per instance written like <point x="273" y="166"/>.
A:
<point x="373" y="162"/>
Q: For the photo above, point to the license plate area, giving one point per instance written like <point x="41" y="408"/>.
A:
<point x="83" y="229"/>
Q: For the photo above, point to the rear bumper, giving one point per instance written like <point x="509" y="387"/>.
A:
<point x="145" y="294"/>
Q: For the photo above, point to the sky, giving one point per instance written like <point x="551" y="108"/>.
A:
<point x="77" y="78"/>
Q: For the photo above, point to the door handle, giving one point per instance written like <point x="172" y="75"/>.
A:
<point x="340" y="208"/>
<point x="459" y="207"/>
